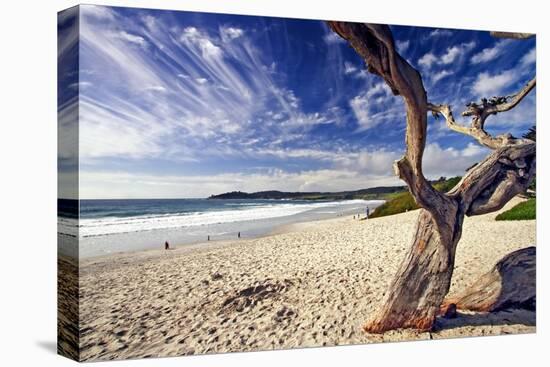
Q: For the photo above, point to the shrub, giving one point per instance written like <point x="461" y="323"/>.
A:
<point x="526" y="210"/>
<point x="403" y="201"/>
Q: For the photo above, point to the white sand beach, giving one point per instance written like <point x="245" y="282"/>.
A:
<point x="311" y="284"/>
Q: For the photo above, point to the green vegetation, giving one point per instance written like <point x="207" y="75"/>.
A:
<point x="400" y="203"/>
<point x="403" y="201"/>
<point x="445" y="185"/>
<point x="365" y="194"/>
<point x="523" y="211"/>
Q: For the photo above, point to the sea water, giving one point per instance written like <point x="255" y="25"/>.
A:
<point x="110" y="226"/>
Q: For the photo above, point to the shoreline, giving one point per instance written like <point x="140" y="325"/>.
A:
<point x="178" y="247"/>
<point x="313" y="285"/>
<point x="252" y="220"/>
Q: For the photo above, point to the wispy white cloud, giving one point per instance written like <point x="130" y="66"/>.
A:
<point x="454" y="52"/>
<point x="354" y="71"/>
<point x="441" y="32"/>
<point x="349" y="68"/>
<point x="379" y="88"/>
<point x="230" y="33"/>
<point x="67" y="119"/>
<point x="441" y="161"/>
<point x="332" y="38"/>
<point x="427" y="60"/>
<point x="192" y="37"/>
<point x="494" y="84"/>
<point x="155" y="88"/>
<point x="402" y="46"/>
<point x="350" y="170"/>
<point x="96" y="184"/>
<point x="132" y="38"/>
<point x="99" y="12"/>
<point x="450" y="56"/>
<point x="488" y="54"/>
<point x="435" y="77"/>
<point x="529" y="58"/>
<point x="80" y="85"/>
<point x="164" y="105"/>
<point x="360" y="107"/>
<point x="374" y="106"/>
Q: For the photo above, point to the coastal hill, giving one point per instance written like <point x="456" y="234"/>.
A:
<point x="398" y="198"/>
<point x="367" y="194"/>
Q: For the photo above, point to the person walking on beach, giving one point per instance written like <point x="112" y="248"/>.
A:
<point x="239" y="235"/>
<point x="368" y="212"/>
<point x="166" y="245"/>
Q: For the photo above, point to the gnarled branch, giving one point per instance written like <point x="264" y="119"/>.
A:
<point x="505" y="173"/>
<point x="513" y="35"/>
<point x="479" y="113"/>
<point x="374" y="42"/>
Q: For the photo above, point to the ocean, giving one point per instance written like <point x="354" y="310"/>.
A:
<point x="110" y="226"/>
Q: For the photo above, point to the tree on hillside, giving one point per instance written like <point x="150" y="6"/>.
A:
<point x="424" y="277"/>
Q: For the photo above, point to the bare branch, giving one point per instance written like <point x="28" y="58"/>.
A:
<point x="447" y="113"/>
<point x="513" y="35"/>
<point x="515" y="99"/>
<point x="505" y="173"/>
<point x="494" y="105"/>
<point x="479" y="113"/>
<point x="479" y="134"/>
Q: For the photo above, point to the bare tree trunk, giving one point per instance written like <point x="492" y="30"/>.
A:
<point x="423" y="279"/>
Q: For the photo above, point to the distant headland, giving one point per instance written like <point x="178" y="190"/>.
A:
<point x="365" y="194"/>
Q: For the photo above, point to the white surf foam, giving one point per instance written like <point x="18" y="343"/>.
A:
<point x="113" y="225"/>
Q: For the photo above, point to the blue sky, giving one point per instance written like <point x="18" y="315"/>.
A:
<point x="180" y="104"/>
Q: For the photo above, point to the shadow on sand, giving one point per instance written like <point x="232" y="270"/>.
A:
<point x="504" y="317"/>
<point x="506" y="295"/>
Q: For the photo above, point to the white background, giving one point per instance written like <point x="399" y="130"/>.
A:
<point x="28" y="181"/>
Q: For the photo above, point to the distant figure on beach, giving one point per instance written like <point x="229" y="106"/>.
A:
<point x="239" y="235"/>
<point x="208" y="237"/>
<point x="368" y="212"/>
<point x="166" y="245"/>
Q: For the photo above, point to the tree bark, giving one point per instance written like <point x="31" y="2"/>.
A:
<point x="511" y="283"/>
<point x="513" y="35"/>
<point x="423" y="279"/>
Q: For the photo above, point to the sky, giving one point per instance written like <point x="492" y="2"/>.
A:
<point x="176" y="104"/>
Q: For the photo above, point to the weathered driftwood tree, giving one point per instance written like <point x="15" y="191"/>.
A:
<point x="510" y="283"/>
<point x="424" y="276"/>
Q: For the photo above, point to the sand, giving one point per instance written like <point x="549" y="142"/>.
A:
<point x="314" y="284"/>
